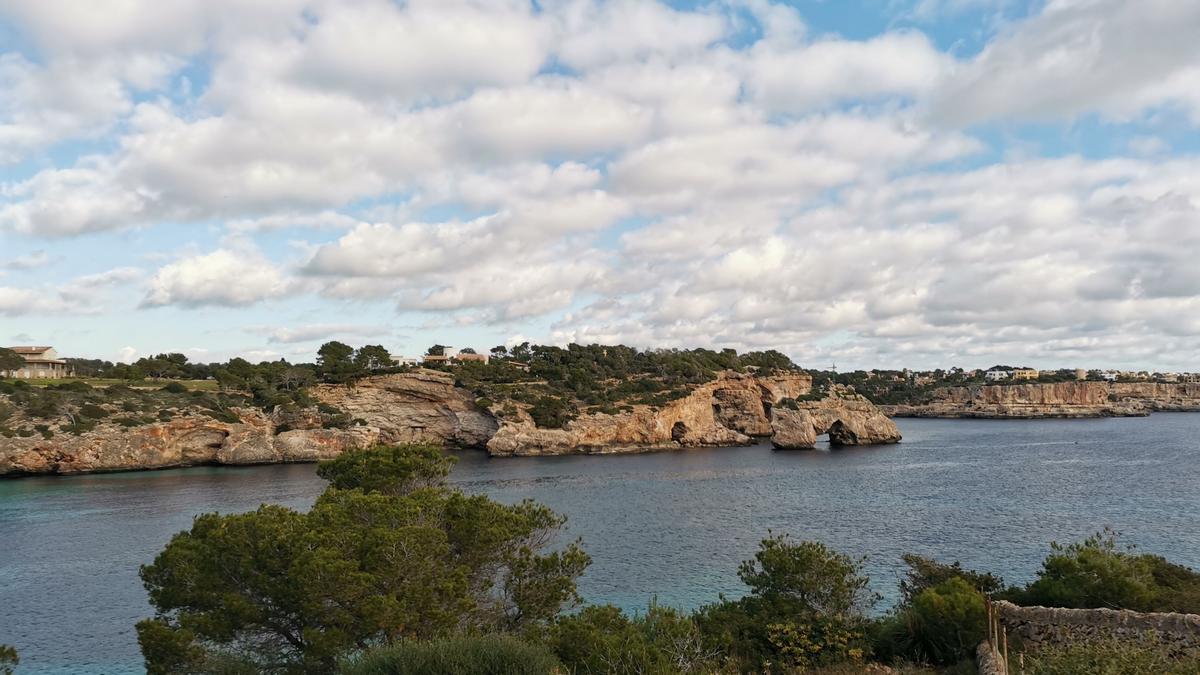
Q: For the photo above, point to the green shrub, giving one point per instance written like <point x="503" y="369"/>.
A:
<point x="93" y="411"/>
<point x="942" y="625"/>
<point x="1098" y="573"/>
<point x="602" y="639"/>
<point x="551" y="412"/>
<point x="175" y="388"/>
<point x="486" y="655"/>
<point x="8" y="659"/>
<point x="925" y="573"/>
<point x="806" y="608"/>
<point x="1108" y="657"/>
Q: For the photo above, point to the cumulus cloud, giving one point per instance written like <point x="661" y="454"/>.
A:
<point x="224" y="277"/>
<point x="1117" y="57"/>
<point x="725" y="174"/>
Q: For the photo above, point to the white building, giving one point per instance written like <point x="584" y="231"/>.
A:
<point x="40" y="362"/>
<point x="996" y="375"/>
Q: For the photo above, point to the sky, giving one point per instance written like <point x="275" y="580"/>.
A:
<point x="867" y="183"/>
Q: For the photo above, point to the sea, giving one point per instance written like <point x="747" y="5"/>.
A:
<point x="670" y="526"/>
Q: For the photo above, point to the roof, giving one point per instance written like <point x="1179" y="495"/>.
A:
<point x="30" y="350"/>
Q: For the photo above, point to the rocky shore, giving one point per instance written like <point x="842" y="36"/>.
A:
<point x="426" y="406"/>
<point x="1054" y="400"/>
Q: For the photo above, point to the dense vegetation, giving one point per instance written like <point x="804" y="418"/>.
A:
<point x="392" y="571"/>
<point x="388" y="553"/>
<point x="557" y="383"/>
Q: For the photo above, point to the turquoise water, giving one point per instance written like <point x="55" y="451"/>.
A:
<point x="671" y="525"/>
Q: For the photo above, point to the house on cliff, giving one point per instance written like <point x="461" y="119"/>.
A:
<point x="40" y="362"/>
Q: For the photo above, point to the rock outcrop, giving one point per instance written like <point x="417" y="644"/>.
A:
<point x="427" y="406"/>
<point x="728" y="411"/>
<point x="184" y="441"/>
<point x="418" y="406"/>
<point x="1059" y="399"/>
<point x="1021" y="401"/>
<point x="421" y="406"/>
<point x="1167" y="397"/>
<point x="848" y="418"/>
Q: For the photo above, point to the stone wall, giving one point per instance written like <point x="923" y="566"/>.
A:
<point x="987" y="662"/>
<point x="1178" y="633"/>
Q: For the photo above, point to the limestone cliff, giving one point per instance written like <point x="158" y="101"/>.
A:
<point x="848" y="418"/>
<point x="727" y="411"/>
<point x="427" y="406"/>
<point x="184" y="441"/>
<point x="1060" y="399"/>
<point x="423" y="405"/>
<point x="419" y="406"/>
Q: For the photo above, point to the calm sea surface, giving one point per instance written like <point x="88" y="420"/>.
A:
<point x="673" y="525"/>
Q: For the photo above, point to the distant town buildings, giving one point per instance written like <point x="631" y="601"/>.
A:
<point x="40" y="362"/>
<point x="1025" y="374"/>
<point x="995" y="375"/>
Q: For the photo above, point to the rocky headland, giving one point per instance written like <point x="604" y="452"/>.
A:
<point x="731" y="410"/>
<point x="427" y="406"/>
<point x="1054" y="400"/>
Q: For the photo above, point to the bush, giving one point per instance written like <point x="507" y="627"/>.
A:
<point x="1108" y="657"/>
<point x="1097" y="572"/>
<point x="806" y="608"/>
<point x="8" y="659"/>
<point x="925" y="573"/>
<point x="486" y="655"/>
<point x="92" y="411"/>
<point x="942" y="625"/>
<point x="175" y="388"/>
<point x="551" y="412"/>
<point x="602" y="639"/>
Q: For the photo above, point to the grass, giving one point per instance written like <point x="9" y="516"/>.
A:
<point x="1108" y="657"/>
<point x="193" y="385"/>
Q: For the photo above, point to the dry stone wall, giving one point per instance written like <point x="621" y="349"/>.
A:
<point x="1179" y="634"/>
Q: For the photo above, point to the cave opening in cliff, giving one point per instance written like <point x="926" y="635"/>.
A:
<point x="678" y="431"/>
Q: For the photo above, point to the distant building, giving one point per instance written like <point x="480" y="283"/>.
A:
<point x="40" y="362"/>
<point x="1025" y="374"/>
<point x="481" y="358"/>
<point x="435" y="358"/>
<point x="1110" y="375"/>
<point x="997" y="375"/>
<point x="407" y="361"/>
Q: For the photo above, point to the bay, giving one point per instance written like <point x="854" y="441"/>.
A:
<point x="992" y="494"/>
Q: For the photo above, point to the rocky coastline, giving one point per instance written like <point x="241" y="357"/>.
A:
<point x="1054" y="400"/>
<point x="427" y="406"/>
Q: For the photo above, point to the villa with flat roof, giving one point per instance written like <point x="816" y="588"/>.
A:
<point x="40" y="362"/>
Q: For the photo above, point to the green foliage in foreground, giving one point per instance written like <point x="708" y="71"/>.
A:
<point x="8" y="659"/>
<point x="602" y="639"/>
<point x="940" y="625"/>
<point x="1098" y="572"/>
<point x="806" y="608"/>
<point x="486" y="655"/>
<point x="387" y="554"/>
<point x="1107" y="657"/>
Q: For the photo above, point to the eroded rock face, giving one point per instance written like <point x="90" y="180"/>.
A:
<point x="848" y="418"/>
<point x="184" y="441"/>
<point x="421" y="406"/>
<point x="727" y="411"/>
<point x="1060" y="399"/>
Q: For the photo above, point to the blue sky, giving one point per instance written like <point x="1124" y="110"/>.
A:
<point x="880" y="183"/>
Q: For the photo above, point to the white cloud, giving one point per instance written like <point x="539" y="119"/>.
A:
<point x="221" y="278"/>
<point x="1117" y="57"/>
<point x="315" y="332"/>
<point x="726" y="174"/>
